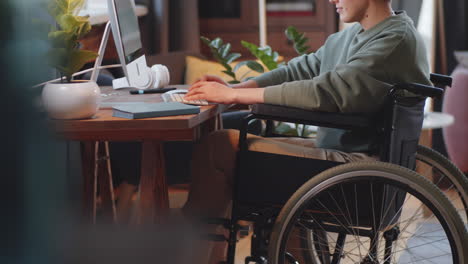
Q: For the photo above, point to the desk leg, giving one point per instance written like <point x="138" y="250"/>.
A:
<point x="106" y="189"/>
<point x="89" y="181"/>
<point x="219" y="122"/>
<point x="97" y="173"/>
<point x="213" y="124"/>
<point x="154" y="199"/>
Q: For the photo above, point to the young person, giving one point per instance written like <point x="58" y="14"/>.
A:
<point x="352" y="72"/>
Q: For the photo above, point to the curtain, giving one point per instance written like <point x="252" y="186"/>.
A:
<point x="456" y="29"/>
<point x="171" y="25"/>
<point x="452" y="35"/>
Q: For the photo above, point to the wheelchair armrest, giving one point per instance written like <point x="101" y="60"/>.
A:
<point x="419" y="89"/>
<point x="325" y="119"/>
<point x="441" y="80"/>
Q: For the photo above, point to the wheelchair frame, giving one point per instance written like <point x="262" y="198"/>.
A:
<point x="399" y="132"/>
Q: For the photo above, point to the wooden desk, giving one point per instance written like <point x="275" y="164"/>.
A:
<point x="151" y="132"/>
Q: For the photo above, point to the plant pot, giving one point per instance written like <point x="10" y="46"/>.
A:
<point x="76" y="100"/>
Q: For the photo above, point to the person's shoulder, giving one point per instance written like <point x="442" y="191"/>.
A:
<point x="405" y="30"/>
<point x="401" y="25"/>
<point x="403" y="36"/>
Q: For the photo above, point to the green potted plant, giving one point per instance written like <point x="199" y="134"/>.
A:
<point x="69" y="99"/>
<point x="269" y="60"/>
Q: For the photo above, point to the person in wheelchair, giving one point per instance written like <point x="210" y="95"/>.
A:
<point x="351" y="73"/>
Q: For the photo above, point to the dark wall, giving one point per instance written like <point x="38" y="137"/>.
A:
<point x="456" y="28"/>
<point x="412" y="7"/>
<point x="171" y="25"/>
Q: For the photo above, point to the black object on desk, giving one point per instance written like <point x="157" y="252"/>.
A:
<point x="153" y="90"/>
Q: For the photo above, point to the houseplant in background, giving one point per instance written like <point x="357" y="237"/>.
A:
<point x="222" y="54"/>
<point x="69" y="99"/>
<point x="267" y="60"/>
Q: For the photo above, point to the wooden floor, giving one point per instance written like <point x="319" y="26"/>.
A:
<point x="178" y="196"/>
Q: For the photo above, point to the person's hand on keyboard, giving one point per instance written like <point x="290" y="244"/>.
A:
<point x="212" y="92"/>
<point x="178" y="96"/>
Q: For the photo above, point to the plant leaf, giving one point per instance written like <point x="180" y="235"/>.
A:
<point x="205" y="40"/>
<point x="76" y="24"/>
<point x="232" y="57"/>
<point x="266" y="49"/>
<point x="299" y="40"/>
<point x="255" y="66"/>
<point x="230" y="73"/>
<point x="58" y="8"/>
<point x="275" y="56"/>
<point x="289" y="32"/>
<point x="227" y="66"/>
<point x="266" y="59"/>
<point x="78" y="58"/>
<point x="62" y="39"/>
<point x="225" y="49"/>
<point x="240" y="64"/>
<point x="68" y="62"/>
<point x="221" y="54"/>
<point x="216" y="43"/>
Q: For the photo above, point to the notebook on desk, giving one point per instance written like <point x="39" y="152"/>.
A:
<point x="146" y="110"/>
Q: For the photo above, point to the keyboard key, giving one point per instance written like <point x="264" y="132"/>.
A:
<point x="175" y="97"/>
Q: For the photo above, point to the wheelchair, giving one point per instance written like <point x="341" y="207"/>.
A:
<point x="324" y="212"/>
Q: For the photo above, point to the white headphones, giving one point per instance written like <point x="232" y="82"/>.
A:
<point x="156" y="77"/>
<point x="160" y="76"/>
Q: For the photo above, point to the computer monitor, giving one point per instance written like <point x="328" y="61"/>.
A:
<point x="126" y="32"/>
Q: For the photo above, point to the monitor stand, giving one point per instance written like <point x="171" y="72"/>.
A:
<point x="159" y="73"/>
<point x="102" y="50"/>
<point x="117" y="83"/>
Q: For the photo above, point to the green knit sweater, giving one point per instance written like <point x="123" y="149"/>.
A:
<point x="351" y="73"/>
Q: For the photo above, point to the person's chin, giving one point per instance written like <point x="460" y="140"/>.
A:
<point x="345" y="19"/>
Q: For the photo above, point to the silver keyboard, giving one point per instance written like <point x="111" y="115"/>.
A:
<point x="179" y="97"/>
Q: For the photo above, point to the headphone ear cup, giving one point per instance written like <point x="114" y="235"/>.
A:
<point x="166" y="75"/>
<point x="152" y="78"/>
<point x="160" y="75"/>
<point x="156" y="76"/>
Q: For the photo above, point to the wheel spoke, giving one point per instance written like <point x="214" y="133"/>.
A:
<point x="388" y="221"/>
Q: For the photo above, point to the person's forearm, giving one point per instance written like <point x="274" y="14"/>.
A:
<point x="246" y="84"/>
<point x="249" y="96"/>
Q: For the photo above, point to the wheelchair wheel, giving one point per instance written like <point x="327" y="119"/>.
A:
<point x="368" y="213"/>
<point x="446" y="176"/>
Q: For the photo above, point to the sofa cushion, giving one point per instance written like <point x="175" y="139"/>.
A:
<point x="175" y="62"/>
<point x="197" y="67"/>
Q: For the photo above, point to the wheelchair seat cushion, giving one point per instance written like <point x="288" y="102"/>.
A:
<point x="304" y="148"/>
